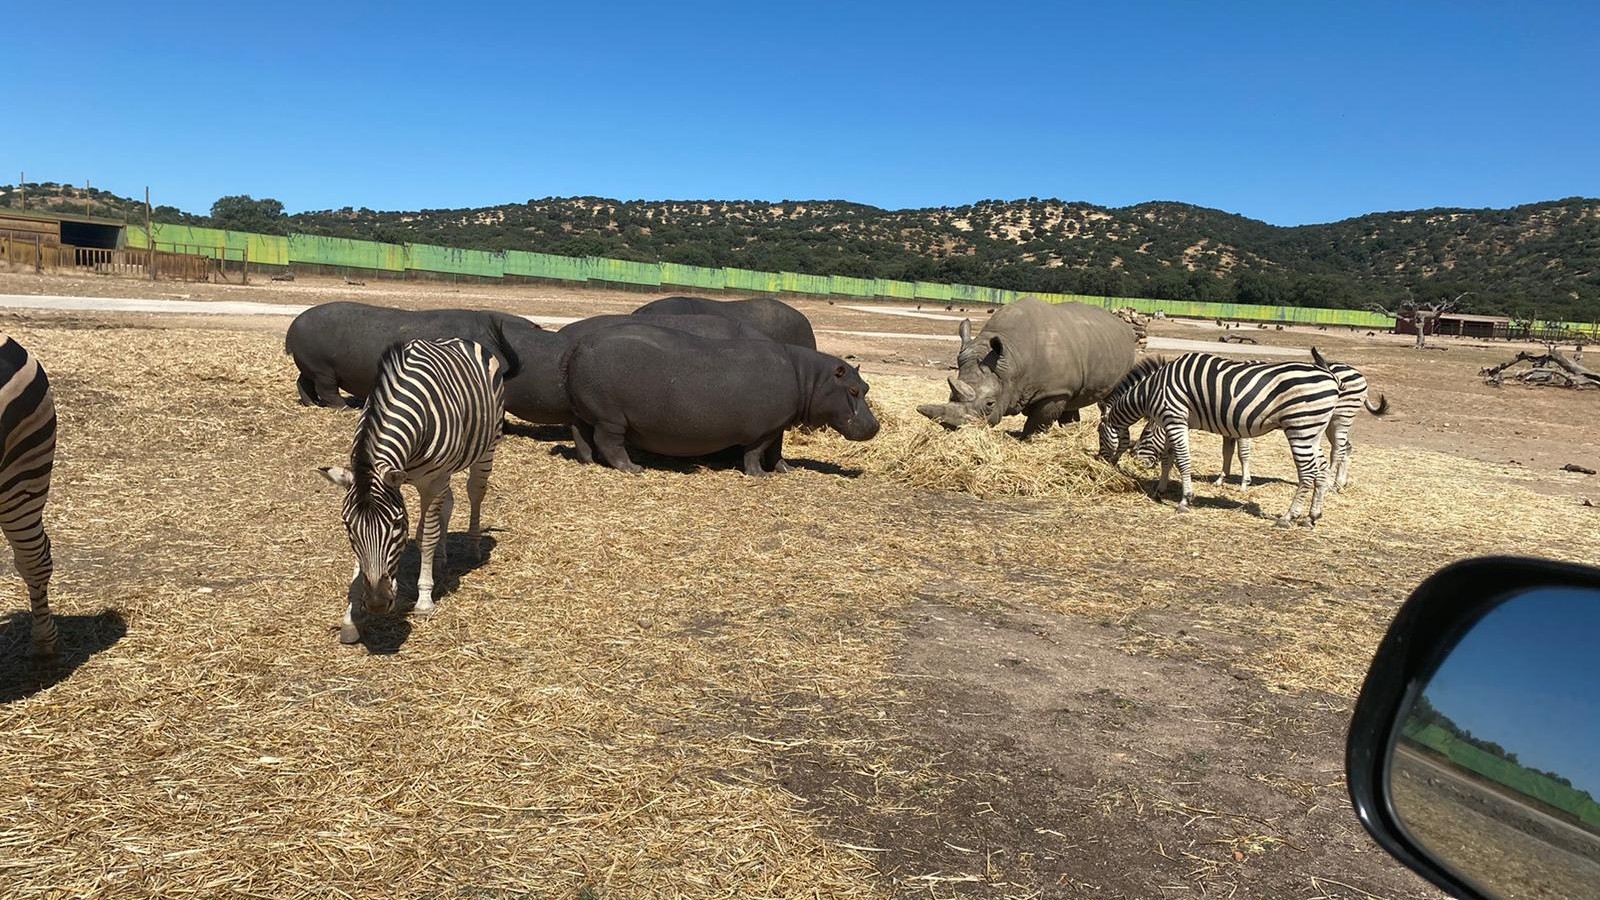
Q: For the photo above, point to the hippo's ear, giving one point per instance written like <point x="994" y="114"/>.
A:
<point x="338" y="476"/>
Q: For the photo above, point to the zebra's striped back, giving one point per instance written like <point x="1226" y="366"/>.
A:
<point x="28" y="436"/>
<point x="437" y="407"/>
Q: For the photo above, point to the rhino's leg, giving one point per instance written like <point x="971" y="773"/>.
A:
<point x="1070" y="416"/>
<point x="608" y="439"/>
<point x="772" y="460"/>
<point x="584" y="441"/>
<point x="1042" y="416"/>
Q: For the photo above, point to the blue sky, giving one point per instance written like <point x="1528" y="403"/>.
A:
<point x="1289" y="112"/>
<point x="1528" y="678"/>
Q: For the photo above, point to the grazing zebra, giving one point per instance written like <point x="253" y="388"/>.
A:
<point x="28" y="431"/>
<point x="1231" y="398"/>
<point x="437" y="408"/>
<point x="1352" y="399"/>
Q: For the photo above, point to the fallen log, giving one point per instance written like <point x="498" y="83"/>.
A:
<point x="1571" y="374"/>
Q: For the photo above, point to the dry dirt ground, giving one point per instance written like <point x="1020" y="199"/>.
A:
<point x="691" y="683"/>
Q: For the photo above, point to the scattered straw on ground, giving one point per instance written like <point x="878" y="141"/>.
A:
<point x="984" y="462"/>
<point x="594" y="710"/>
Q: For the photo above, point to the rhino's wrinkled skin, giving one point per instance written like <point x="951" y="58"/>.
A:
<point x="1040" y="359"/>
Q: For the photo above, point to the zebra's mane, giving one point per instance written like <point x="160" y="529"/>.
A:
<point x="362" y="462"/>
<point x="1141" y="370"/>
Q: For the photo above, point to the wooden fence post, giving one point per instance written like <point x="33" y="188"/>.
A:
<point x="244" y="273"/>
<point x="38" y="255"/>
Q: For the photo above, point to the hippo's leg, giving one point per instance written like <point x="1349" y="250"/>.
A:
<point x="327" y="388"/>
<point x="758" y="454"/>
<point x="773" y="461"/>
<point x="609" y="441"/>
<point x="1042" y="416"/>
<point x="583" y="441"/>
<point x="308" y="391"/>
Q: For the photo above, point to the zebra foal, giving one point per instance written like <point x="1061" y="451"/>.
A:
<point x="28" y="437"/>
<point x="1231" y="398"/>
<point x="436" y="409"/>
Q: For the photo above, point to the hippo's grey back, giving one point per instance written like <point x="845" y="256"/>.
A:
<point x="773" y="318"/>
<point x="1043" y="351"/>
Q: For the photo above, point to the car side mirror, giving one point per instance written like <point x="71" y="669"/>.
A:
<point x="1474" y="750"/>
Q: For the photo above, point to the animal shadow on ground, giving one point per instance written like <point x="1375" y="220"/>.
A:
<point x="537" y="432"/>
<point x="78" y="638"/>
<point x="386" y="634"/>
<point x="730" y="459"/>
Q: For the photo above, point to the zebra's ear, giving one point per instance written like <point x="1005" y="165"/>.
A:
<point x="393" y="478"/>
<point x="338" y="476"/>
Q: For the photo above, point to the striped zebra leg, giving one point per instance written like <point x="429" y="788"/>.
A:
<point x="30" y="547"/>
<point x="1243" y="447"/>
<point x="1178" y="443"/>
<point x="477" y="486"/>
<point x="436" y="505"/>
<point x="1227" y="462"/>
<point x="1306" y="446"/>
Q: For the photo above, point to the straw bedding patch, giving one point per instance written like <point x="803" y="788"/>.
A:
<point x="598" y="709"/>
<point x="985" y="462"/>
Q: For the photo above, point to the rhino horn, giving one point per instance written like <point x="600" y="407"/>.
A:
<point x="961" y="390"/>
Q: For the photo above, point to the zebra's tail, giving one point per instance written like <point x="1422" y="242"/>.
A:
<point x="1317" y="357"/>
<point x="1380" y="409"/>
<point x="507" y="354"/>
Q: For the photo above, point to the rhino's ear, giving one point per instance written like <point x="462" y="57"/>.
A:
<point x="965" y="331"/>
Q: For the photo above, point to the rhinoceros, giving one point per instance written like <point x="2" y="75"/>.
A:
<point x="1045" y="360"/>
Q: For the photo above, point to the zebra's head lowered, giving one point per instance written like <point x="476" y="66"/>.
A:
<point x="374" y="514"/>
<point x="1124" y="406"/>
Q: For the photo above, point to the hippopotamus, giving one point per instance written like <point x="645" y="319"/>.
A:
<point x="678" y="394"/>
<point x="537" y="394"/>
<point x="338" y="345"/>
<point x="773" y="318"/>
<point x="1042" y="359"/>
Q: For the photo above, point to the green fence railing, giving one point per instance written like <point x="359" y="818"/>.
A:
<point x="350" y="253"/>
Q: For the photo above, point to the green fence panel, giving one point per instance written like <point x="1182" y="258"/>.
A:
<point x="623" y="271"/>
<point x="545" y="265"/>
<point x="796" y="283"/>
<point x="212" y="243"/>
<point x="846" y="286"/>
<point x="964" y="293"/>
<point x="930" y="290"/>
<point x="318" y="250"/>
<point x="748" y="280"/>
<point x="899" y="290"/>
<point x="454" y="261"/>
<point x="691" y="276"/>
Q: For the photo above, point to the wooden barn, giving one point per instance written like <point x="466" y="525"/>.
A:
<point x="54" y="240"/>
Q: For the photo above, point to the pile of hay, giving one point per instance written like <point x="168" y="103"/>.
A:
<point x="984" y="462"/>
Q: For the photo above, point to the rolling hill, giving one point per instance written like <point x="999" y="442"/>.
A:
<point x="1539" y="258"/>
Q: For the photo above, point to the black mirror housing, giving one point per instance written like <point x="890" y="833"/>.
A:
<point x="1428" y="626"/>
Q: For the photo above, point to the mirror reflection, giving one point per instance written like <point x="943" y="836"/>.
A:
<point x="1495" y="769"/>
